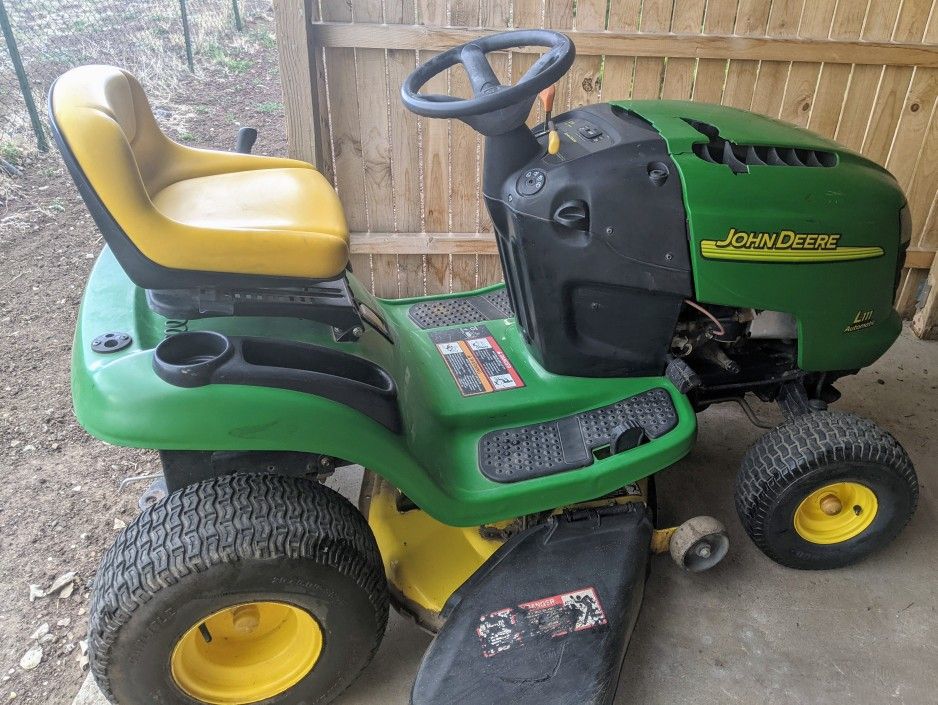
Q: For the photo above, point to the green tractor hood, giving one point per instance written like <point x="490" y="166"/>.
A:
<point x="784" y="220"/>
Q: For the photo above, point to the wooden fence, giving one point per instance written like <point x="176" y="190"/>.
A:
<point x="864" y="72"/>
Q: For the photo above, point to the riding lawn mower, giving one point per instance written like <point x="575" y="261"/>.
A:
<point x="659" y="257"/>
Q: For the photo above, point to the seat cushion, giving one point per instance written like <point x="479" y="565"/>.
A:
<point x="297" y="200"/>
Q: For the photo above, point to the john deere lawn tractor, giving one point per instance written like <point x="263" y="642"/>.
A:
<point x="659" y="257"/>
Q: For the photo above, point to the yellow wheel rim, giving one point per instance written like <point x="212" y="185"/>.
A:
<point x="246" y="653"/>
<point x="836" y="513"/>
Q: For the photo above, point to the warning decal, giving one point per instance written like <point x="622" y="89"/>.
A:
<point x="476" y="360"/>
<point x="550" y="617"/>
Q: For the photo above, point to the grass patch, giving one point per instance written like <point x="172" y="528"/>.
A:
<point x="230" y="63"/>
<point x="11" y="152"/>
<point x="270" y="107"/>
<point x="264" y="38"/>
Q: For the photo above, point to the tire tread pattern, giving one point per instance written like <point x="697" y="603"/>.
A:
<point x="226" y="520"/>
<point x="802" y="445"/>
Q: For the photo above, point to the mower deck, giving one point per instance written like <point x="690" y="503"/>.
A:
<point x="459" y="388"/>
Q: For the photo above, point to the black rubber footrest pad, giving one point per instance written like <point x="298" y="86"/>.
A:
<point x="526" y="452"/>
<point x="461" y="310"/>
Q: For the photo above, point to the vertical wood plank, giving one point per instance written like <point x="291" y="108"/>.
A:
<point x="464" y="143"/>
<point x="895" y="84"/>
<point x="907" y="149"/>
<point x="495" y="14"/>
<point x="649" y="71"/>
<point x="619" y="71"/>
<point x="719" y="18"/>
<point x="346" y="137"/>
<point x="435" y="146"/>
<point x="401" y="275"/>
<point x="752" y="17"/>
<point x="865" y="80"/>
<point x="679" y="74"/>
<point x="784" y="20"/>
<point x="376" y="147"/>
<point x="529" y="14"/>
<point x="344" y="123"/>
<point x="372" y="89"/>
<point x="834" y="79"/>
<point x="585" y="81"/>
<point x="490" y="270"/>
<point x="803" y="77"/>
<point x="558" y="15"/>
<point x="405" y="177"/>
<point x="297" y="56"/>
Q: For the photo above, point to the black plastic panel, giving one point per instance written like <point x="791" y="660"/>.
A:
<point x="596" y="295"/>
<point x="526" y="452"/>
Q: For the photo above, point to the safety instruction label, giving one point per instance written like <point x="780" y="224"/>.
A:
<point x="476" y="360"/>
<point x="549" y="617"/>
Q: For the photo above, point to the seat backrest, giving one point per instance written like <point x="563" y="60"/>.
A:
<point x="106" y="121"/>
<point x="115" y="152"/>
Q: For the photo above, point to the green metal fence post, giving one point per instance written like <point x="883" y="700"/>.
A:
<point x="237" y="15"/>
<point x="185" y="33"/>
<point x="41" y="141"/>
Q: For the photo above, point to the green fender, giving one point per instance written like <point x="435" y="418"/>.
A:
<point x="119" y="399"/>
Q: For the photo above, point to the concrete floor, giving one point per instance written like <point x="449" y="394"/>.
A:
<point x="750" y="631"/>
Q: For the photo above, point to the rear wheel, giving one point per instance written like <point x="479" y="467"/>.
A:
<point x="240" y="589"/>
<point x="825" y="490"/>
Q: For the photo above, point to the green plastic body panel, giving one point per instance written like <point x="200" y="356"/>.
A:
<point x="856" y="199"/>
<point x="119" y="399"/>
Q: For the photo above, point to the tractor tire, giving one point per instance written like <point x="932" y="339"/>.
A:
<point x="825" y="490"/>
<point x="242" y="588"/>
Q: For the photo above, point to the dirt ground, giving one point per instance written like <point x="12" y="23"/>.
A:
<point x="59" y="495"/>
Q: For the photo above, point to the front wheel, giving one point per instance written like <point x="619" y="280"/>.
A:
<point x="825" y="490"/>
<point x="239" y="589"/>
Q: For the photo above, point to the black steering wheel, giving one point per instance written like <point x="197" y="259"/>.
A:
<point x="489" y="95"/>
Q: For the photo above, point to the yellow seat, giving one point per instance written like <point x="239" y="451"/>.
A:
<point x="184" y="210"/>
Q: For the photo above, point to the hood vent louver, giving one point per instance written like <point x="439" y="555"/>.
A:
<point x="739" y="157"/>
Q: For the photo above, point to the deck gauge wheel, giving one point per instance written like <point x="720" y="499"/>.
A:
<point x="699" y="544"/>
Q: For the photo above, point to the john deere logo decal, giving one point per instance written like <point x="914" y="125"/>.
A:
<point x="784" y="246"/>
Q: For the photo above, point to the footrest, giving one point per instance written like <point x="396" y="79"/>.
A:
<point x="547" y="619"/>
<point x="461" y="310"/>
<point x="526" y="452"/>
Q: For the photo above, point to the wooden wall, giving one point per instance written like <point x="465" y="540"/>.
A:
<point x="864" y="72"/>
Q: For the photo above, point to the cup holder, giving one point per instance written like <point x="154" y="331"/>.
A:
<point x="189" y="359"/>
<point x="198" y="358"/>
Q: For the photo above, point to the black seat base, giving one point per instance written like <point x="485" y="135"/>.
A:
<point x="329" y="302"/>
